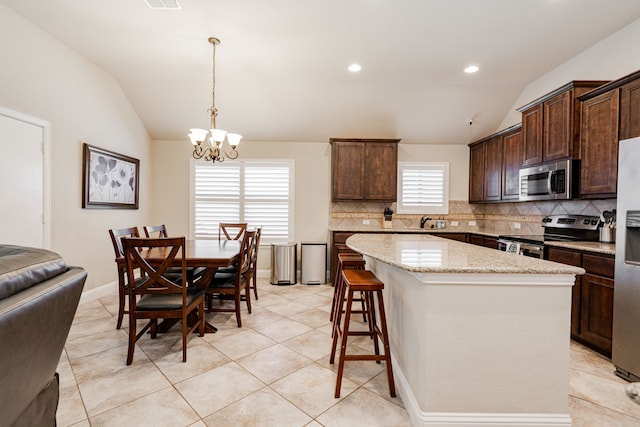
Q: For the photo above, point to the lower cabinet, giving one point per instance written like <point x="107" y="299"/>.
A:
<point x="482" y="240"/>
<point x="592" y="297"/>
<point x="460" y="237"/>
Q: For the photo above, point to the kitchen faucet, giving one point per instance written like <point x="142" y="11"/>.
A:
<point x="424" y="220"/>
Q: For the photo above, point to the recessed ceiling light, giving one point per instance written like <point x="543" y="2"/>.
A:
<point x="471" y="69"/>
<point x="354" y="68"/>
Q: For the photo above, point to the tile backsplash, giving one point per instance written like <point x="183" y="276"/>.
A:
<point x="520" y="217"/>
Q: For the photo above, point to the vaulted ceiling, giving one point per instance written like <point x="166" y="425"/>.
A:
<point x="281" y="69"/>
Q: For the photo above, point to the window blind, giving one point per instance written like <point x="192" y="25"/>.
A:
<point x="256" y="192"/>
<point x="423" y="188"/>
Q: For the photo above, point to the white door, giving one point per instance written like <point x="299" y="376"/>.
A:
<point x="22" y="185"/>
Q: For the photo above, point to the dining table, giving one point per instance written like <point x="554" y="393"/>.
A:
<point x="210" y="254"/>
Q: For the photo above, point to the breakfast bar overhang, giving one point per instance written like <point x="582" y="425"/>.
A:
<point x="478" y="337"/>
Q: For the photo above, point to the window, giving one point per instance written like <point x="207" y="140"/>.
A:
<point x="423" y="188"/>
<point x="259" y="193"/>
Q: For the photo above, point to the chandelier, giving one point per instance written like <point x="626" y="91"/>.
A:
<point x="207" y="143"/>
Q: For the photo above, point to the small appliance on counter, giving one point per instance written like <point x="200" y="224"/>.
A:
<point x="574" y="228"/>
<point x="387" y="220"/>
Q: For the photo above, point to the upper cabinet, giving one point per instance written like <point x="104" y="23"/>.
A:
<point x="364" y="169"/>
<point x="551" y="124"/>
<point x="494" y="165"/>
<point x="608" y="114"/>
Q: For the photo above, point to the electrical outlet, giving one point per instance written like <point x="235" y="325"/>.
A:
<point x="454" y="223"/>
<point x="516" y="225"/>
<point x="366" y="221"/>
<point x="472" y="223"/>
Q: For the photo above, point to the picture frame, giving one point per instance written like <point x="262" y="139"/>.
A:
<point x="109" y="180"/>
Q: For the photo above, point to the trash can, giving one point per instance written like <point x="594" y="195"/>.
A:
<point x="313" y="263"/>
<point x="283" y="263"/>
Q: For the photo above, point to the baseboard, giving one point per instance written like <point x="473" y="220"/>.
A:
<point x="99" y="292"/>
<point x="469" y="419"/>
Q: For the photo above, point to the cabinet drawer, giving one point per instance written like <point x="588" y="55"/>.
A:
<point x="598" y="264"/>
<point x="564" y="256"/>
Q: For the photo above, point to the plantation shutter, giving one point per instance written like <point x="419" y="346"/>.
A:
<point x="423" y="188"/>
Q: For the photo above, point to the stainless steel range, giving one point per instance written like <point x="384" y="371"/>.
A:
<point x="556" y="228"/>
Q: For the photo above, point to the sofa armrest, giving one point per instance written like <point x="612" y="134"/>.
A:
<point x="34" y="325"/>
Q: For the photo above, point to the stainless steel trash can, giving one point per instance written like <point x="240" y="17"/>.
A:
<point x="283" y="263"/>
<point x="313" y="263"/>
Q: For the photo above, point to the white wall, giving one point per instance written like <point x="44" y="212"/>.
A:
<point x="612" y="58"/>
<point x="44" y="79"/>
<point x="171" y="166"/>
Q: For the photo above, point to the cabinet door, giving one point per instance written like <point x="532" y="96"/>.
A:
<point x="460" y="237"/>
<point x="597" y="311"/>
<point x="347" y="170"/>
<point x="490" y="242"/>
<point x="599" y="146"/>
<point x="571" y="258"/>
<point x="532" y="135"/>
<point x="511" y="162"/>
<point x="476" y="239"/>
<point x="476" y="173"/>
<point x="493" y="169"/>
<point x="557" y="124"/>
<point x="381" y="171"/>
<point x="630" y="110"/>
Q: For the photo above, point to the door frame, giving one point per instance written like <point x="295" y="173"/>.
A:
<point x="45" y="126"/>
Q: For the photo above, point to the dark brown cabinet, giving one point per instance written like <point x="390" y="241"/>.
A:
<point x="481" y="240"/>
<point x="494" y="164"/>
<point x="591" y="297"/>
<point x="511" y="162"/>
<point x="493" y="169"/>
<point x="599" y="146"/>
<point x="565" y="256"/>
<point x="364" y="169"/>
<point x="460" y="237"/>
<point x="551" y="124"/>
<point x="630" y="109"/>
<point x="476" y="173"/>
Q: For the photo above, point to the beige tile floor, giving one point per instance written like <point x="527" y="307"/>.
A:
<point x="274" y="371"/>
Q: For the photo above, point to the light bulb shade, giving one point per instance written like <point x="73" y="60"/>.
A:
<point x="198" y="136"/>
<point x="217" y="135"/>
<point x="234" y="139"/>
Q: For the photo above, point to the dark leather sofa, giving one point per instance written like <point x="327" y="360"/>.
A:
<point x="39" y="295"/>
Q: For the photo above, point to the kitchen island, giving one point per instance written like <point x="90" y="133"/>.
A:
<point x="478" y="336"/>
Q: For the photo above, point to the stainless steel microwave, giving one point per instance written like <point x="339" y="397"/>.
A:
<point x="550" y="181"/>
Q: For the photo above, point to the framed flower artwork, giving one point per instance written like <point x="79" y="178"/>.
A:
<point x="110" y="180"/>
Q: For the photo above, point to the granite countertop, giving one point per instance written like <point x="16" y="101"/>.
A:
<point x="404" y="230"/>
<point x="603" y="248"/>
<point x="431" y="254"/>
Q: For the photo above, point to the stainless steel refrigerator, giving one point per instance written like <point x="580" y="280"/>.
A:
<point x="626" y="297"/>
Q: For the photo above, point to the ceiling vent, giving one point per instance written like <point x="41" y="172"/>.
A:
<point x="163" y="4"/>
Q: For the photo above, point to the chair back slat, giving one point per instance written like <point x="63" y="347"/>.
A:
<point x="156" y="281"/>
<point x="231" y="231"/>
<point x="116" y="238"/>
<point x="151" y="229"/>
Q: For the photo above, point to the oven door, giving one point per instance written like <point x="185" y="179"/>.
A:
<point x="519" y="248"/>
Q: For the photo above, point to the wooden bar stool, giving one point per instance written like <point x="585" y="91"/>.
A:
<point x="348" y="261"/>
<point x="367" y="283"/>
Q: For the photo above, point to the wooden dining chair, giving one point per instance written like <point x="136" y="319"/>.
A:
<point x="160" y="231"/>
<point x="150" y="230"/>
<point x="254" y="262"/>
<point x="155" y="295"/>
<point x="231" y="231"/>
<point x="232" y="284"/>
<point x="116" y="236"/>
